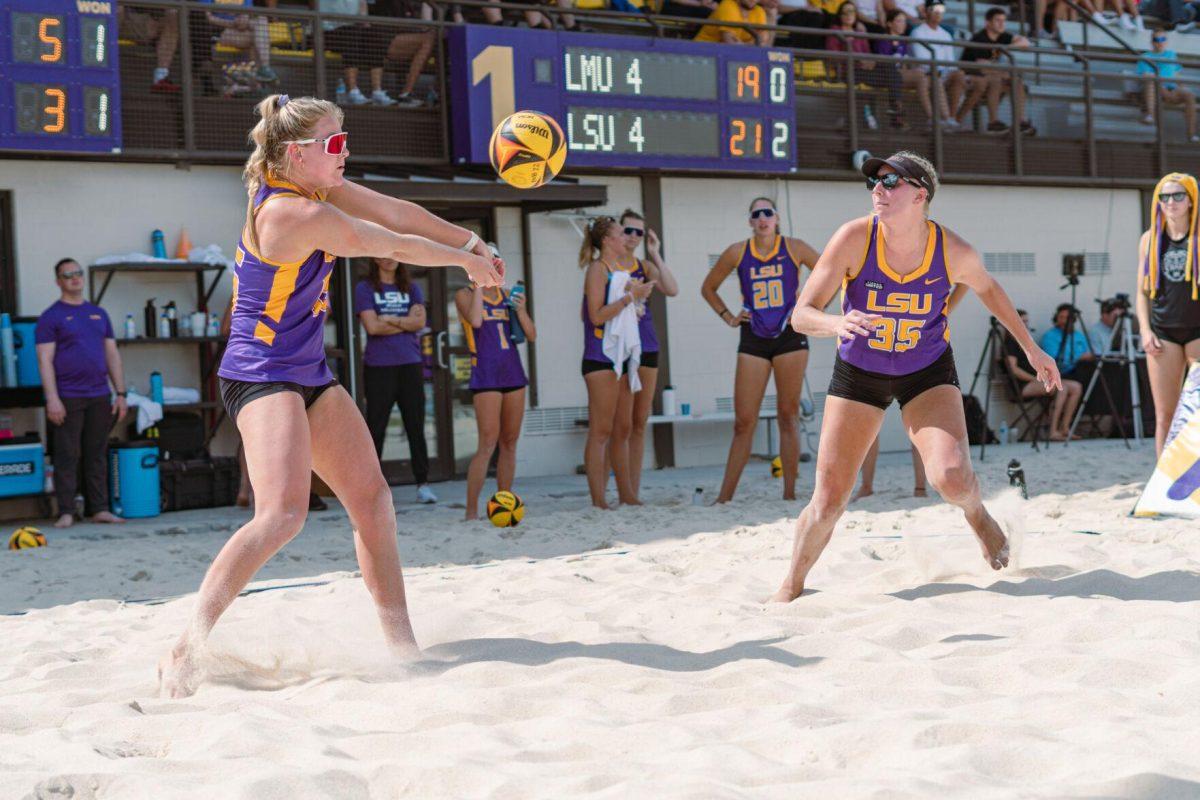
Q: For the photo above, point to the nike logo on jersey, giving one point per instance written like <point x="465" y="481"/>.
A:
<point x="933" y="280"/>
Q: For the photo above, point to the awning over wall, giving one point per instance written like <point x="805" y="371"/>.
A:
<point x="437" y="193"/>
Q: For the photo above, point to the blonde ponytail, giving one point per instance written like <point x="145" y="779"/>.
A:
<point x="281" y="119"/>
<point x="594" y="238"/>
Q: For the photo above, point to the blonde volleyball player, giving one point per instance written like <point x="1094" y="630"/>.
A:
<point x="896" y="269"/>
<point x="293" y="417"/>
<point x="768" y="268"/>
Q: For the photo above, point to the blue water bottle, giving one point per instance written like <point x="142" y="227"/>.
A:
<point x="156" y="387"/>
<point x="158" y="246"/>
<point x="514" y="324"/>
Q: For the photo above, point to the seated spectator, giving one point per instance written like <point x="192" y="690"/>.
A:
<point x="1068" y="351"/>
<point x="805" y="15"/>
<point x="912" y="74"/>
<point x="1101" y="332"/>
<point x="361" y="47"/>
<point x="1127" y="14"/>
<point x="934" y="41"/>
<point x="994" y="82"/>
<point x="877" y="74"/>
<point x="160" y="28"/>
<point x="246" y="32"/>
<point x="566" y="22"/>
<point x="748" y="11"/>
<point x="1171" y="92"/>
<point x="697" y="9"/>
<point x="1065" y="401"/>
<point x="1179" y="14"/>
<point x="410" y="46"/>
<point x="913" y="10"/>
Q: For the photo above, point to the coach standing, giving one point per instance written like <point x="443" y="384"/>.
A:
<point x="78" y="356"/>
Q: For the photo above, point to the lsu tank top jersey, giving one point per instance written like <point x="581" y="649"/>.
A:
<point x="912" y="332"/>
<point x="495" y="362"/>
<point x="593" y="335"/>
<point x="646" y="330"/>
<point x="770" y="283"/>
<point x="278" y="321"/>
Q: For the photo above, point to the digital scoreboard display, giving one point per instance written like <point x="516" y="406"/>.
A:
<point x="59" y="80"/>
<point x="626" y="101"/>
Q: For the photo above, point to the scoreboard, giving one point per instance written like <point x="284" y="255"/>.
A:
<point x="627" y="101"/>
<point x="59" y="81"/>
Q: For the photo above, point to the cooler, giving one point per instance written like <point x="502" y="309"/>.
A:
<point x="25" y="348"/>
<point x="21" y="466"/>
<point x="133" y="479"/>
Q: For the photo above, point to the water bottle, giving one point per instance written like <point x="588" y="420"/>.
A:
<point x="869" y="116"/>
<point x="214" y="325"/>
<point x="668" y="401"/>
<point x="150" y="317"/>
<point x="164" y="326"/>
<point x="130" y="327"/>
<point x="1003" y="431"/>
<point x="48" y="484"/>
<point x="156" y="386"/>
<point x="517" y="332"/>
<point x="185" y="326"/>
<point x="172" y="314"/>
<point x="157" y="245"/>
<point x="199" y="323"/>
<point x="1016" y="477"/>
<point x="698" y="496"/>
<point x="7" y="352"/>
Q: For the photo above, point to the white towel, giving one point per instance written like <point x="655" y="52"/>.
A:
<point x="176" y="395"/>
<point x="622" y="341"/>
<point x="148" y="411"/>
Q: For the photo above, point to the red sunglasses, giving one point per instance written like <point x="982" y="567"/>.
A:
<point x="335" y="144"/>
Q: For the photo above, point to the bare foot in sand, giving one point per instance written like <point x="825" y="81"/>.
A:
<point x="65" y="521"/>
<point x="992" y="541"/>
<point x="863" y="491"/>
<point x="633" y="502"/>
<point x="785" y="595"/>
<point x="107" y="517"/>
<point x="178" y="673"/>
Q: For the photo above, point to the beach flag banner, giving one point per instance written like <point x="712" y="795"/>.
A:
<point x="1174" y="488"/>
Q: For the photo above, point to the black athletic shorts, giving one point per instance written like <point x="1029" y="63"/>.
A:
<point x="1179" y="336"/>
<point x="505" y="390"/>
<point x="786" y="342"/>
<point x="649" y="360"/>
<point x="879" y="390"/>
<point x="236" y="394"/>
<point x="591" y="365"/>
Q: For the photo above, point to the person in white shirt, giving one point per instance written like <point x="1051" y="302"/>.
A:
<point x="934" y="41"/>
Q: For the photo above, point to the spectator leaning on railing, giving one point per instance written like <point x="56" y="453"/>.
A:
<point x="993" y="81"/>
<point x="1170" y="91"/>
<point x="935" y="41"/>
<point x="747" y="11"/>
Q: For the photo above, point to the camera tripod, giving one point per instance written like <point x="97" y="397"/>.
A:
<point x="1126" y="356"/>
<point x="993" y="351"/>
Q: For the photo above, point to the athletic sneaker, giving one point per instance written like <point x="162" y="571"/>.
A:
<point x="407" y="100"/>
<point x="380" y="97"/>
<point x="996" y="127"/>
<point x="355" y="97"/>
<point x="1148" y="119"/>
<point x="1100" y="19"/>
<point x="425" y="494"/>
<point x="1127" y="22"/>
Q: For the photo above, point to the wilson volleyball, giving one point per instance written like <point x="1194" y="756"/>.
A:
<point x="528" y="149"/>
<point x="25" y="538"/>
<point x="505" y="510"/>
<point x="776" y="467"/>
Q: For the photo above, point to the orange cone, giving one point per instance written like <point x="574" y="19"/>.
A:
<point x="185" y="245"/>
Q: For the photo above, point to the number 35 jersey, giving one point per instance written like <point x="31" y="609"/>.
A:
<point x="770" y="283"/>
<point x="912" y="331"/>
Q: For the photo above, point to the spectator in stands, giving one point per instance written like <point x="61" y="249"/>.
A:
<point x="911" y="74"/>
<point x="1127" y="14"/>
<point x="934" y="41"/>
<point x="533" y="18"/>
<point x="361" y="47"/>
<point x="1168" y="67"/>
<point x="698" y="9"/>
<point x="1180" y="14"/>
<point x="748" y="11"/>
<point x="913" y="10"/>
<point x="410" y="46"/>
<point x="877" y="74"/>
<point x="993" y="82"/>
<point x="249" y="33"/>
<point x="160" y="28"/>
<point x="77" y="355"/>
<point x="1065" y="401"/>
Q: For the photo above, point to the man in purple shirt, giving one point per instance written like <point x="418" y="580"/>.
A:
<point x="78" y="356"/>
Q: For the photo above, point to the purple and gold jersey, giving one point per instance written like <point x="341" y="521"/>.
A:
<point x="912" y="332"/>
<point x="770" y="284"/>
<point x="646" y="330"/>
<point x="593" y="335"/>
<point x="495" y="362"/>
<point x="279" y="310"/>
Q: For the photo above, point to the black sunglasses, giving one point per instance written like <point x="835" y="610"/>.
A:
<point x="634" y="232"/>
<point x="890" y="181"/>
<point x="76" y="273"/>
<point x="1172" y="197"/>
<point x="762" y="213"/>
<point x="1158" y="39"/>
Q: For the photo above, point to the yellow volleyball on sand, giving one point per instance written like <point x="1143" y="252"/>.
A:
<point x="505" y="510"/>
<point x="528" y="149"/>
<point x="26" y="537"/>
<point x="777" y="467"/>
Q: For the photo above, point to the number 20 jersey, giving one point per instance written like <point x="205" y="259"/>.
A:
<point x="770" y="284"/>
<point x="912" y="332"/>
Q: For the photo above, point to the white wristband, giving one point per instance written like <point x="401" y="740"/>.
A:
<point x="470" y="245"/>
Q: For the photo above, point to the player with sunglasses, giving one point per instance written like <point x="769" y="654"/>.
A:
<point x="768" y="267"/>
<point x="633" y="408"/>
<point x="293" y="416"/>
<point x="896" y="269"/>
<point x="1168" y="294"/>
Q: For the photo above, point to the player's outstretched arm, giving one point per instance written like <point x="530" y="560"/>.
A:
<point x="832" y="268"/>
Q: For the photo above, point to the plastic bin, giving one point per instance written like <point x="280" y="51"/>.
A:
<point x="21" y="466"/>
<point x="199" y="483"/>
<point x="133" y="479"/>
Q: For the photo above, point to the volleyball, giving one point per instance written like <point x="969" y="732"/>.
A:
<point x="528" y="149"/>
<point x="26" y="537"/>
<point x="776" y="467"/>
<point x="505" y="510"/>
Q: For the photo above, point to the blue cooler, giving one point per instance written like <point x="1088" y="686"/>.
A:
<point x="25" y="347"/>
<point x="133" y="479"/>
<point x="21" y="466"/>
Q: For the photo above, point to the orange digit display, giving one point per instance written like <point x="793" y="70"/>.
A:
<point x="46" y="37"/>
<point x="737" y="137"/>
<point x="58" y="110"/>
<point x="758" y="138"/>
<point x="748" y="81"/>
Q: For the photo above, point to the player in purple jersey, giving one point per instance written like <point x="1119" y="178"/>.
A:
<point x="293" y="418"/>
<point x="602" y="249"/>
<point x="895" y="268"/>
<point x="629" y="427"/>
<point x="768" y="267"/>
<point x="497" y="382"/>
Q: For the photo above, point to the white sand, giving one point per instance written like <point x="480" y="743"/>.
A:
<point x="628" y="654"/>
